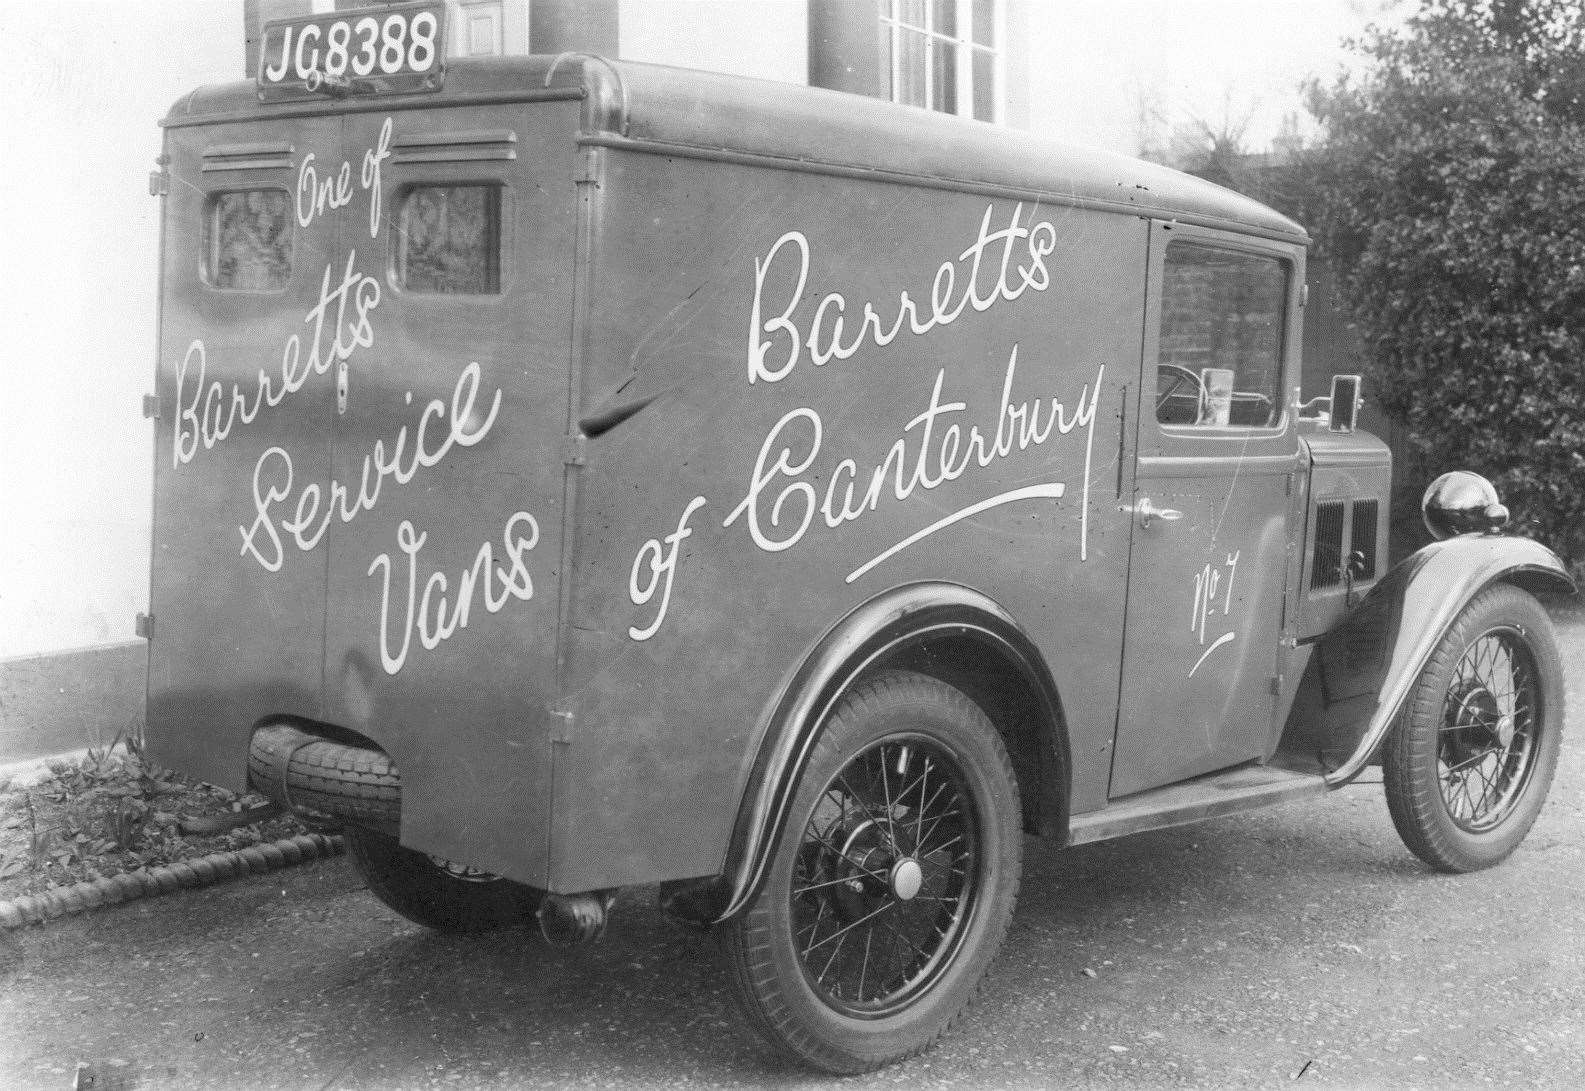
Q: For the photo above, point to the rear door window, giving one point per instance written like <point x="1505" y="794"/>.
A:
<point x="248" y="243"/>
<point x="450" y="240"/>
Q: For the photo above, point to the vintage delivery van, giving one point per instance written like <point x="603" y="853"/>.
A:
<point x="576" y="475"/>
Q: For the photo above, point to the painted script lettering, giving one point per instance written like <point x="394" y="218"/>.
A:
<point x="272" y="474"/>
<point x="434" y="615"/>
<point x="777" y="343"/>
<point x="211" y="412"/>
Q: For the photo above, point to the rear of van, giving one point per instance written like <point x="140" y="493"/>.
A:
<point x="367" y="310"/>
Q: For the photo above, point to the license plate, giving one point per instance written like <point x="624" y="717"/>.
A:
<point x="369" y="51"/>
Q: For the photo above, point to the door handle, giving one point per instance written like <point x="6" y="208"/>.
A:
<point x="1148" y="511"/>
<point x="341" y="386"/>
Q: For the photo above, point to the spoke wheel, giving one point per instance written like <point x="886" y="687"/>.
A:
<point x="886" y="876"/>
<point x="1486" y="748"/>
<point x="1468" y="766"/>
<point x="892" y="884"/>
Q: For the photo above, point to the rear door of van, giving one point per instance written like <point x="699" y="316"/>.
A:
<point x="363" y="380"/>
<point x="243" y="414"/>
<point x="447" y="442"/>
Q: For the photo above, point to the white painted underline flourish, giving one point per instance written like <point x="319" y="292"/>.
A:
<point x="1052" y="490"/>
<point x="1223" y="639"/>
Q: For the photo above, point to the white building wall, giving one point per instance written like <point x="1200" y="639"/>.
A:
<point x="84" y="87"/>
<point x="767" y="39"/>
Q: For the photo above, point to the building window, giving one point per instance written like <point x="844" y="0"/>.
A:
<point x="946" y="55"/>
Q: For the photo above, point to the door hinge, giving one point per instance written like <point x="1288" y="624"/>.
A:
<point x="1276" y="685"/>
<point x="144" y="626"/>
<point x="159" y="183"/>
<point x="588" y="168"/>
<point x="574" y="449"/>
<point x="151" y="407"/>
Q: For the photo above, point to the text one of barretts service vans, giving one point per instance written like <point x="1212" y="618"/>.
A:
<point x="575" y="475"/>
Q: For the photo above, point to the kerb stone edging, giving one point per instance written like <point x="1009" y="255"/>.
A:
<point x="183" y="875"/>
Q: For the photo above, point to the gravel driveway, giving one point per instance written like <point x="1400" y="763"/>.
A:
<point x="1301" y="945"/>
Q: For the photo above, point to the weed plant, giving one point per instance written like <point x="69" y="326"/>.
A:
<point x="110" y="812"/>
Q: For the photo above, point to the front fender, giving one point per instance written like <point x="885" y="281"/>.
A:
<point x="875" y="630"/>
<point x="1368" y="664"/>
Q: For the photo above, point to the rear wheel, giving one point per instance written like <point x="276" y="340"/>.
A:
<point x="892" y="885"/>
<point x="1469" y="763"/>
<point x="437" y="893"/>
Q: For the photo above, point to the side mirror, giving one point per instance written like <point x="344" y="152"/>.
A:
<point x="1346" y="403"/>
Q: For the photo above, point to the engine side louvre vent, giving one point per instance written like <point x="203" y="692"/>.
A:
<point x="1326" y="570"/>
<point x="1362" y="540"/>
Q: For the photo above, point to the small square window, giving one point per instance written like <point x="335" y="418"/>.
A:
<point x="249" y="240"/>
<point x="450" y="240"/>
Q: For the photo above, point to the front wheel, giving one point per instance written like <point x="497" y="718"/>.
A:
<point x="437" y="893"/>
<point x="892" y="885"/>
<point x="1468" y="765"/>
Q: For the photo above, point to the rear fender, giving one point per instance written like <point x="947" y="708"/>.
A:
<point x="1356" y="684"/>
<point x="882" y="629"/>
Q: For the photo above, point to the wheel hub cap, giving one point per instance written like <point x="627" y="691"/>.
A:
<point x="906" y="879"/>
<point x="1505" y="731"/>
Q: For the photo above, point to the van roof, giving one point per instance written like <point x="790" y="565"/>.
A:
<point x="705" y="114"/>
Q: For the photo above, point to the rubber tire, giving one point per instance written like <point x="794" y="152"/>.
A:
<point x="766" y="973"/>
<point x="424" y="892"/>
<point x="1409" y="756"/>
<point x="355" y="784"/>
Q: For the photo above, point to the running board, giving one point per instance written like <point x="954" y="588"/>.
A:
<point x="1224" y="793"/>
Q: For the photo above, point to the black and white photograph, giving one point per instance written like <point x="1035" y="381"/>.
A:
<point x="792" y="543"/>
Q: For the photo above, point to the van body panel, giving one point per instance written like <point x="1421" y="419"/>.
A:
<point x="676" y="657"/>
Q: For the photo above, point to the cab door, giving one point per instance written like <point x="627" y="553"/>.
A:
<point x="1209" y="554"/>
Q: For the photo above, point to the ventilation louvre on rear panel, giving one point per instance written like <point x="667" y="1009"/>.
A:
<point x="1362" y="540"/>
<point x="1326" y="570"/>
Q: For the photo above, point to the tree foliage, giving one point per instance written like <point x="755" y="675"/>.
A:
<point x="1450" y="192"/>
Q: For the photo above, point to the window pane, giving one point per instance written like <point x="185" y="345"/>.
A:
<point x="912" y="12"/>
<point x="1221" y="337"/>
<point x="984" y="22"/>
<point x="984" y="86"/>
<point x="250" y="240"/>
<point x="451" y="240"/>
<point x="944" y="72"/>
<point x="944" y="17"/>
<point x="910" y="89"/>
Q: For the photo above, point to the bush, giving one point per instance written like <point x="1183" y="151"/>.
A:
<point x="1450" y="191"/>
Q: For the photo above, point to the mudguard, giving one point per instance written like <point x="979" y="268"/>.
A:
<point x="1356" y="684"/>
<point x="881" y="628"/>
